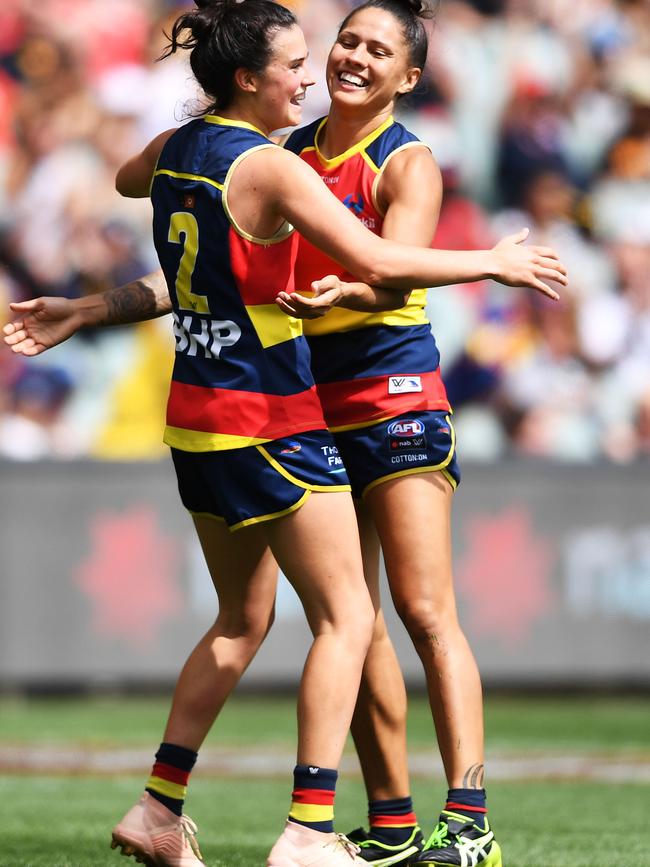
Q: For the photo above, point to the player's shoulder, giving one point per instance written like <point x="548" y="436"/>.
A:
<point x="395" y="137"/>
<point x="304" y="137"/>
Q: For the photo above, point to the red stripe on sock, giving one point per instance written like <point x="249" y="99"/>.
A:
<point x="387" y="821"/>
<point x="313" y="796"/>
<point x="170" y="773"/>
<point x="468" y="807"/>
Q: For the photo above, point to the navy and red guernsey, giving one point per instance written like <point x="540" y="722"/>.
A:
<point x="367" y="366"/>
<point x="241" y="373"/>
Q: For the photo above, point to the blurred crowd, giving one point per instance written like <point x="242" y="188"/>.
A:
<point x="538" y="112"/>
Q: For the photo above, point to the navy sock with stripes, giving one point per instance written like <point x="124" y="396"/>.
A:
<point x="170" y="775"/>
<point x="468" y="802"/>
<point x="392" y="821"/>
<point x="312" y="799"/>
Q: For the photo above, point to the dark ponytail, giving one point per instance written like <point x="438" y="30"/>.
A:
<point x="410" y="14"/>
<point x="226" y="35"/>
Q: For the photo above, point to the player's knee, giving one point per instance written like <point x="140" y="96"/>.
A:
<point x="252" y="627"/>
<point x="364" y="624"/>
<point x="425" y="622"/>
<point x="355" y="625"/>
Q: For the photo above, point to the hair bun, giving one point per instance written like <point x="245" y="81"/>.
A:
<point x="419" y="8"/>
<point x="216" y="5"/>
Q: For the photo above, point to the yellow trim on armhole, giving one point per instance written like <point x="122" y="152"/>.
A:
<point x="285" y="229"/>
<point x="155" y="169"/>
<point x="380" y="171"/>
<point x="298" y="482"/>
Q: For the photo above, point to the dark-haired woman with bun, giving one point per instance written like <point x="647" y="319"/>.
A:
<point x="246" y="427"/>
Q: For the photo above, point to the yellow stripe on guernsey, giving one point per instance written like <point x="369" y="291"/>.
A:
<point x="203" y="441"/>
<point x="272" y="325"/>
<point x="186" y="176"/>
<point x="167" y="788"/>
<point x="311" y="812"/>
<point x="340" y="319"/>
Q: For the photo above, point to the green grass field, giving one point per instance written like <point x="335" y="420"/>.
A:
<point x="57" y="819"/>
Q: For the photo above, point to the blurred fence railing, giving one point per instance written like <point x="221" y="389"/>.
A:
<point x="103" y="582"/>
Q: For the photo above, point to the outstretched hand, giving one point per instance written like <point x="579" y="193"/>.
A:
<point x="327" y="293"/>
<point x="528" y="266"/>
<point x="41" y="324"/>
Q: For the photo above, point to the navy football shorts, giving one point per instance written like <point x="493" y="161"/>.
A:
<point x="414" y="442"/>
<point x="258" y="483"/>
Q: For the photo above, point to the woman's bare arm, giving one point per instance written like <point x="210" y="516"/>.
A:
<point x="43" y="323"/>
<point x="133" y="179"/>
<point x="296" y="192"/>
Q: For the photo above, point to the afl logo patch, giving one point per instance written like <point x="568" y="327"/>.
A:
<point x="405" y="427"/>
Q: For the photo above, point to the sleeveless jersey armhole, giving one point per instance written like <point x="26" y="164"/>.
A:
<point x="281" y="234"/>
<point x="380" y="173"/>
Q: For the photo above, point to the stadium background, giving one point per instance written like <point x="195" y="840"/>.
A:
<point x="539" y="115"/>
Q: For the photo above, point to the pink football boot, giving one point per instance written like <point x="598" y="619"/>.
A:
<point x="156" y="836"/>
<point x="299" y="846"/>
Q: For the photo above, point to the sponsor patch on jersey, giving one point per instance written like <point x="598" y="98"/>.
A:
<point x="189" y="200"/>
<point x="404" y="384"/>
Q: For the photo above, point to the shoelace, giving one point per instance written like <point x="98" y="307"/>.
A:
<point x="190" y="830"/>
<point x="348" y="846"/>
<point x="439" y="838"/>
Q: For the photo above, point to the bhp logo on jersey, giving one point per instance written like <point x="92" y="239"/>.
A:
<point x="405" y="427"/>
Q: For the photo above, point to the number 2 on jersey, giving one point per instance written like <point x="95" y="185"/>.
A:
<point x="184" y="224"/>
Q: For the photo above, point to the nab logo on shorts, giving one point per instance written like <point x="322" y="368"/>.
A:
<point x="405" y="427"/>
<point x="406" y="435"/>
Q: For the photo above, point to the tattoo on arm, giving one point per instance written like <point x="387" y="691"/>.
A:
<point x="473" y="778"/>
<point x="134" y="302"/>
